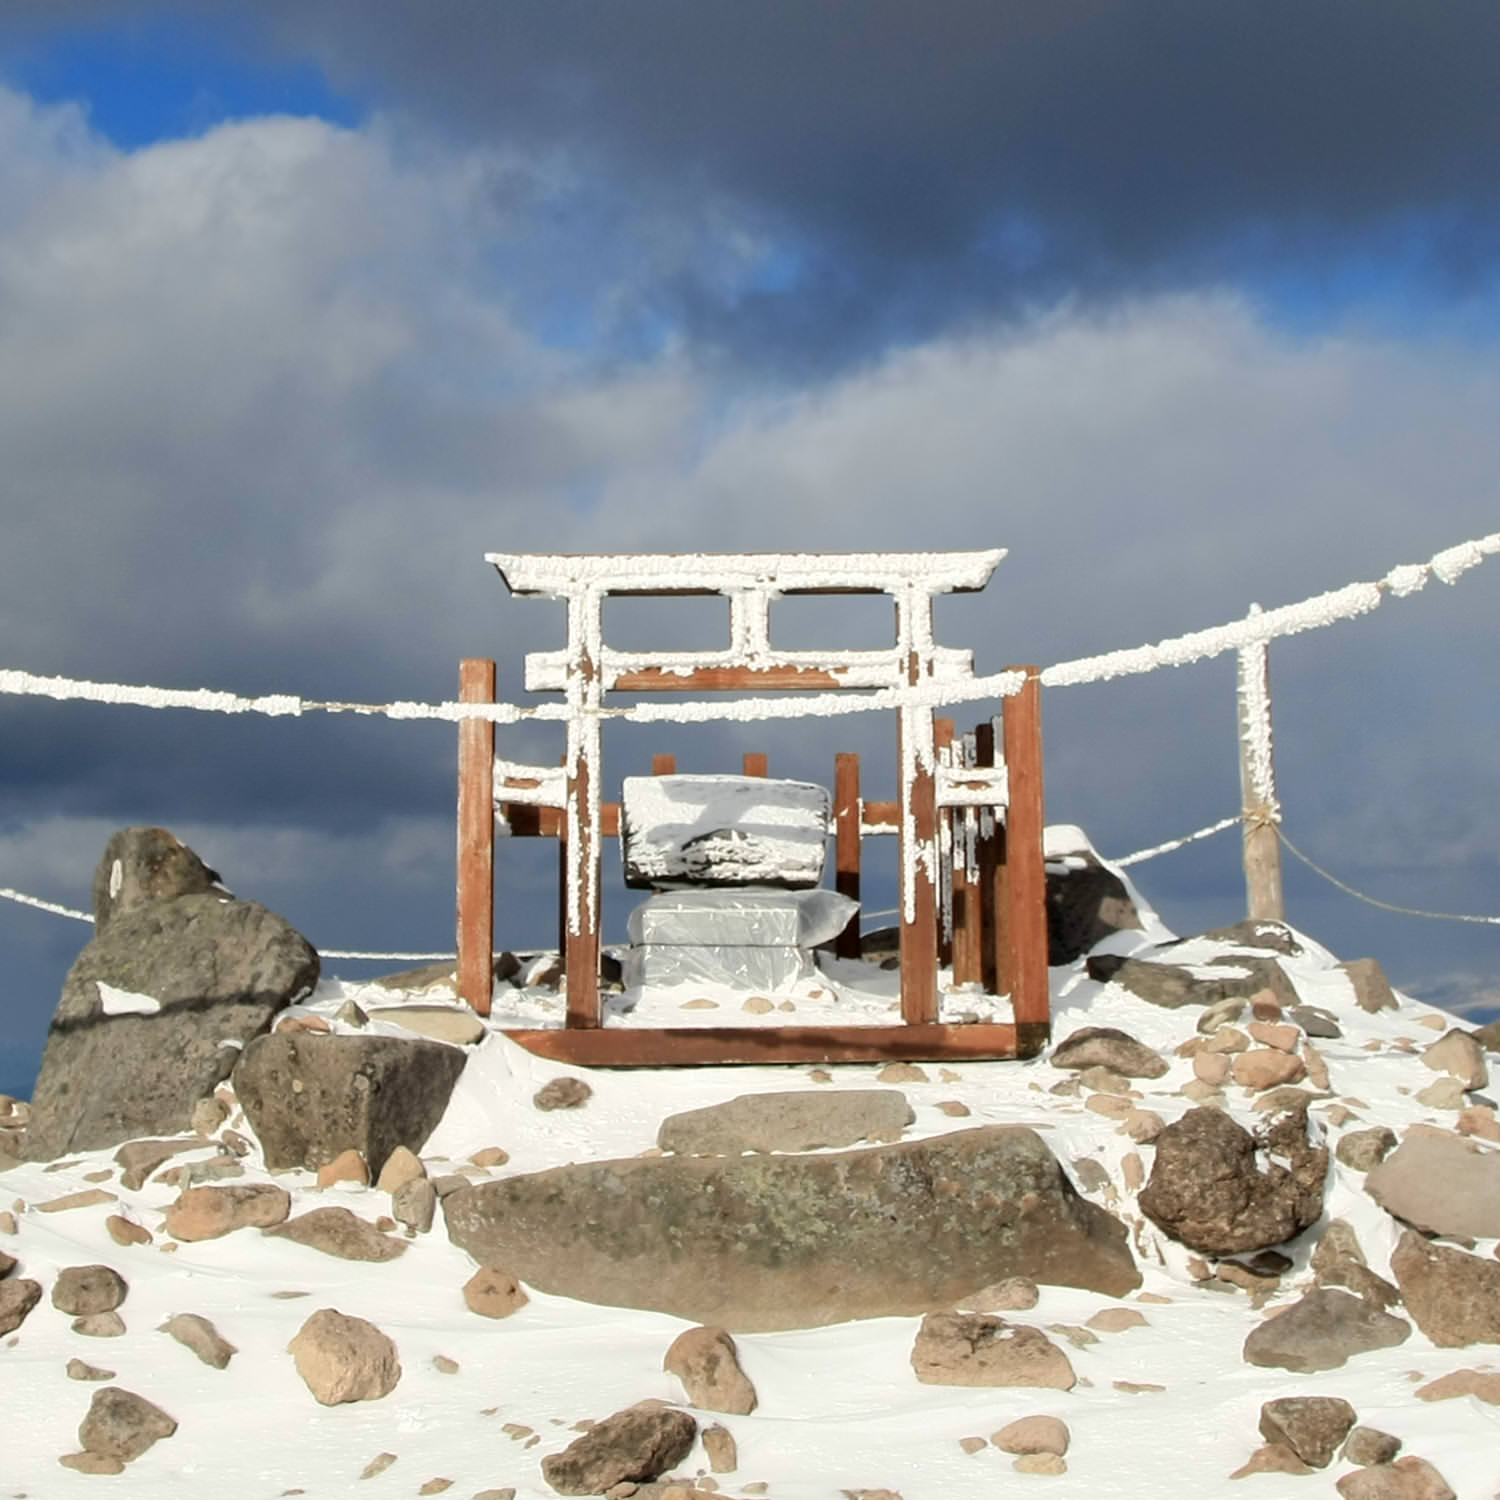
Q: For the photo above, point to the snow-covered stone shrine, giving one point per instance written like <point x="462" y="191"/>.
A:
<point x="968" y="815"/>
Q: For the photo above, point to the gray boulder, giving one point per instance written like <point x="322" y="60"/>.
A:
<point x="1174" y="985"/>
<point x="310" y="1096"/>
<point x="1311" y="1426"/>
<point x="338" y="1232"/>
<point x="1108" y="1047"/>
<point x="1453" y="1298"/>
<point x="1372" y="990"/>
<point x="1441" y="1183"/>
<point x="144" y="867"/>
<point x="1085" y="903"/>
<point x="1207" y="1192"/>
<point x="975" y="1349"/>
<point x="757" y="1243"/>
<point x="153" y="1014"/>
<point x="630" y="1447"/>
<point x="797" y="1120"/>
<point x="1322" y="1331"/>
<point x="122" y="1425"/>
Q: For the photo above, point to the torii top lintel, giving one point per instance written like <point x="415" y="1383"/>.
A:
<point x="565" y="575"/>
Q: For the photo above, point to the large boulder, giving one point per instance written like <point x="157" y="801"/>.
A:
<point x="153" y="1014"/>
<point x="1170" y="985"/>
<point x="1321" y="1331"/>
<point x="797" y="1120"/>
<point x="768" y="1242"/>
<point x="1085" y="903"/>
<point x="310" y="1095"/>
<point x="1207" y="1192"/>
<point x="629" y="1447"/>
<point x="144" y="867"/>
<point x="954" y="1348"/>
<point x="1453" y="1298"/>
<point x="1441" y="1183"/>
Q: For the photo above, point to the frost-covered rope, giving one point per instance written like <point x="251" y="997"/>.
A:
<point x="83" y="916"/>
<point x="1347" y="603"/>
<point x="1141" y="855"/>
<point x="52" y="906"/>
<point x="1405" y="911"/>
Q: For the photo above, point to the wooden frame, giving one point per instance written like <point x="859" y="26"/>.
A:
<point x="938" y="794"/>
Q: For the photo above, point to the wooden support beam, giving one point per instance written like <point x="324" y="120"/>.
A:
<point x="942" y="745"/>
<point x="581" y="835"/>
<point x="987" y="876"/>
<point x="476" y="838"/>
<point x="643" y="1047"/>
<point x="754" y="763"/>
<point x="846" y="846"/>
<point x="663" y="765"/>
<point x="1025" y="863"/>
<point x="968" y="936"/>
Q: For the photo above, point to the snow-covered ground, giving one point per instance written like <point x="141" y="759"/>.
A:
<point x="839" y="1407"/>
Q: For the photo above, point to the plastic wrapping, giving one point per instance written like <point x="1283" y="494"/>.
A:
<point x="753" y="940"/>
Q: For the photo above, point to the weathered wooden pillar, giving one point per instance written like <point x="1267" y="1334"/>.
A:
<point x="1262" y="848"/>
<point x="847" y="813"/>
<point x="916" y="758"/>
<point x="754" y="763"/>
<point x="581" y="814"/>
<point x="989" y="875"/>
<point x="1026" y="871"/>
<point x="476" y="838"/>
<point x="968" y="936"/>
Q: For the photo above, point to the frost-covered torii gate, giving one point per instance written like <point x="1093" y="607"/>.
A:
<point x="587" y="669"/>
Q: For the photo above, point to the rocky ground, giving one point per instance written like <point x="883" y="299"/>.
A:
<point x="1258" y="1198"/>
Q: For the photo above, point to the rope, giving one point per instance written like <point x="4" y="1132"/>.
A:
<point x="1202" y="833"/>
<point x="1405" y="911"/>
<point x="52" y="906"/>
<point x="1311" y="613"/>
<point x="407" y="957"/>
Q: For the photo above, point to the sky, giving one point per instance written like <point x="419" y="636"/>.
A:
<point x="305" y="307"/>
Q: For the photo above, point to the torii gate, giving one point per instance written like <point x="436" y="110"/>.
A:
<point x="586" y="670"/>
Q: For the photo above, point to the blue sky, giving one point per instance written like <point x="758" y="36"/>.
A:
<point x="304" y="307"/>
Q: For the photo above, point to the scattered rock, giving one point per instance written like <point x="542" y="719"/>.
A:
<point x="206" y="1213"/>
<point x="401" y="1166"/>
<point x="1442" y="1093"/>
<point x="1311" y="1426"/>
<point x="122" y="1425"/>
<point x="1211" y="1068"/>
<point x="309" y="1097"/>
<point x="1039" y="1463"/>
<point x="100" y="1325"/>
<point x="88" y="1198"/>
<point x="414" y="1204"/>
<point x="902" y="1072"/>
<point x="1337" y="1260"/>
<point x="1035" y="1434"/>
<point x="721" y="1449"/>
<point x="435" y="1486"/>
<point x="1266" y="1068"/>
<point x="81" y="1290"/>
<point x="562" y="1093"/>
<point x="1372" y="990"/>
<point x="1369" y="1445"/>
<point x="1271" y="1458"/>
<point x="1206" y="1191"/>
<point x="1014" y="1294"/>
<point x="954" y="1108"/>
<point x="342" y="1358"/>
<point x="634" y="1445"/>
<point x="337" y="1231"/>
<point x="749" y="1243"/>
<point x="1408" y="1478"/>
<point x="1092" y="1177"/>
<point x="1117" y="1320"/>
<point x="1104" y="1046"/>
<point x="1106" y="1081"/>
<point x="1321" y="1331"/>
<point x="490" y="1156"/>
<point x="1276" y="1035"/>
<point x="1221" y="1013"/>
<point x="1488" y="1036"/>
<point x="977" y="1349"/>
<point x="199" y="1335"/>
<point x="92" y="1463"/>
<point x="17" y="1297"/>
<point x="1484" y="1385"/>
<point x="1478" y="1120"/>
<point x="707" y="1364"/>
<point x="456" y="1025"/>
<point x="793" y="1121"/>
<point x="493" y="1293"/>
<point x="1315" y="1021"/>
<point x="1364" y="1150"/>
<point x="1458" y="1054"/>
<point x="347" y="1166"/>
<point x="1440" y="1182"/>
<point x="124" y="1231"/>
<point x="1142" y="1125"/>
<point x="139" y="1159"/>
<point x="377" y="1465"/>
<point x="1452" y="1297"/>
<point x="208" y="1114"/>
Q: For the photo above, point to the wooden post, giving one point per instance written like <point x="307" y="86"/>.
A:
<point x="942" y="745"/>
<point x="916" y="758"/>
<point x="476" y="838"/>
<point x="1262" y="849"/>
<point x="968" y="939"/>
<point x="581" y="827"/>
<point x="989" y="877"/>
<point x="1026" y="877"/>
<point x="846" y="838"/>
<point x="754" y="763"/>
<point x="663" y="765"/>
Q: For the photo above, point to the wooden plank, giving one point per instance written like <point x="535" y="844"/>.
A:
<point x="918" y="832"/>
<point x="846" y="845"/>
<point x="723" y="679"/>
<point x="476" y="838"/>
<point x="643" y="1047"/>
<point x="968" y="939"/>
<point x="989" y="861"/>
<point x="582" y="829"/>
<point x="942" y="744"/>
<point x="754" y="763"/>
<point x="664" y="765"/>
<point x="529" y="821"/>
<point x="1025" y="863"/>
<point x="881" y="816"/>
